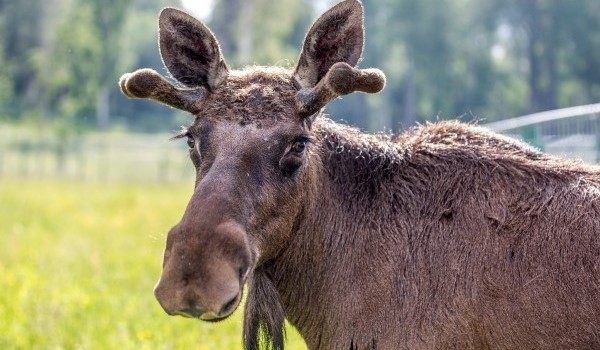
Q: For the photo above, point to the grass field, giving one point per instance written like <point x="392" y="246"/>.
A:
<point x="78" y="262"/>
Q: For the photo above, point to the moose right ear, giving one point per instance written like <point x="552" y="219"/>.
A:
<point x="190" y="50"/>
<point x="336" y="36"/>
<point x="331" y="50"/>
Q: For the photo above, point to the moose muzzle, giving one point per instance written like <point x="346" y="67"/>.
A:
<point x="205" y="267"/>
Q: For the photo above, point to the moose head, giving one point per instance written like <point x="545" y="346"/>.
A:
<point x="251" y="144"/>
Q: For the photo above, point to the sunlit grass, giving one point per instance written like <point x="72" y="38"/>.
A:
<point x="78" y="263"/>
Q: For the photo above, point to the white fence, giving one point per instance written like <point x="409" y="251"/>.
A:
<point x="570" y="132"/>
<point x="36" y="153"/>
<point x="103" y="157"/>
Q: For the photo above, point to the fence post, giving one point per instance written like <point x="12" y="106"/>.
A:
<point x="532" y="135"/>
<point x="597" y="147"/>
<point x="2" y="151"/>
<point x="103" y="155"/>
<point x="163" y="168"/>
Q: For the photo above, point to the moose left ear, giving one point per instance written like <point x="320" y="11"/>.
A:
<point x="337" y="36"/>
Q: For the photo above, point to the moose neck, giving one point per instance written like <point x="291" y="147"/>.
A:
<point x="337" y="238"/>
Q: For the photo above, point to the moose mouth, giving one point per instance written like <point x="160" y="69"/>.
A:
<point x="209" y="316"/>
<point x="227" y="310"/>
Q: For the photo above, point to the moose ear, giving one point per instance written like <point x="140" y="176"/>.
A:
<point x="190" y="50"/>
<point x="337" y="36"/>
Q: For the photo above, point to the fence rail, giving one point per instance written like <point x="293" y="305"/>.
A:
<point x="111" y="156"/>
<point x="572" y="132"/>
<point x="544" y="117"/>
<point x="25" y="153"/>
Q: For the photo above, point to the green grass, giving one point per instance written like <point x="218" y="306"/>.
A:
<point x="78" y="262"/>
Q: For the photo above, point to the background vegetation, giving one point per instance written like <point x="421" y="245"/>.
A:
<point x="490" y="59"/>
<point x="89" y="184"/>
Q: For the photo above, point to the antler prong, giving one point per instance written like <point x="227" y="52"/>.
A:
<point x="341" y="79"/>
<point x="147" y="83"/>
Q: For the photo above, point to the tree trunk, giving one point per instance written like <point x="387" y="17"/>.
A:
<point x="246" y="32"/>
<point x="409" y="109"/>
<point x="542" y="30"/>
<point x="550" y="54"/>
<point x="533" y="46"/>
<point x="103" y="107"/>
<point x="224" y="16"/>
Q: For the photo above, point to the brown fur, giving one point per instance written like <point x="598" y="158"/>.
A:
<point x="268" y="90"/>
<point x="448" y="236"/>
<point x="454" y="245"/>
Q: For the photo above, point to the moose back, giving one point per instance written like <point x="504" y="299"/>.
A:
<point x="448" y="236"/>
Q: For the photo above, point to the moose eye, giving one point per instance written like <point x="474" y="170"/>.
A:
<point x="298" y="146"/>
<point x="190" y="141"/>
<point x="293" y="159"/>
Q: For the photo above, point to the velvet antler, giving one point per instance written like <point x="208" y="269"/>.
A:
<point x="341" y="79"/>
<point x="147" y="83"/>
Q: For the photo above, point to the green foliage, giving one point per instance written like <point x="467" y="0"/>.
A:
<point x="20" y="24"/>
<point x="6" y="88"/>
<point x="78" y="263"/>
<point x="68" y="68"/>
<point x="263" y="32"/>
<point x="490" y="59"/>
<point x="279" y="32"/>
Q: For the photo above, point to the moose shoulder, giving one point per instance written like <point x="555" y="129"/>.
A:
<point x="448" y="236"/>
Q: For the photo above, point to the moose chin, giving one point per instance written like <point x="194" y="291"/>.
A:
<point x="448" y="236"/>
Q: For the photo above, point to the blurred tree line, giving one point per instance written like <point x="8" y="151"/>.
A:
<point x="486" y="59"/>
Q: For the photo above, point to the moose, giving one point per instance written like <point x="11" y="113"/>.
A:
<point x="446" y="236"/>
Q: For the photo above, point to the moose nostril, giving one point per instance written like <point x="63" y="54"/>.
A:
<point x="228" y="307"/>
